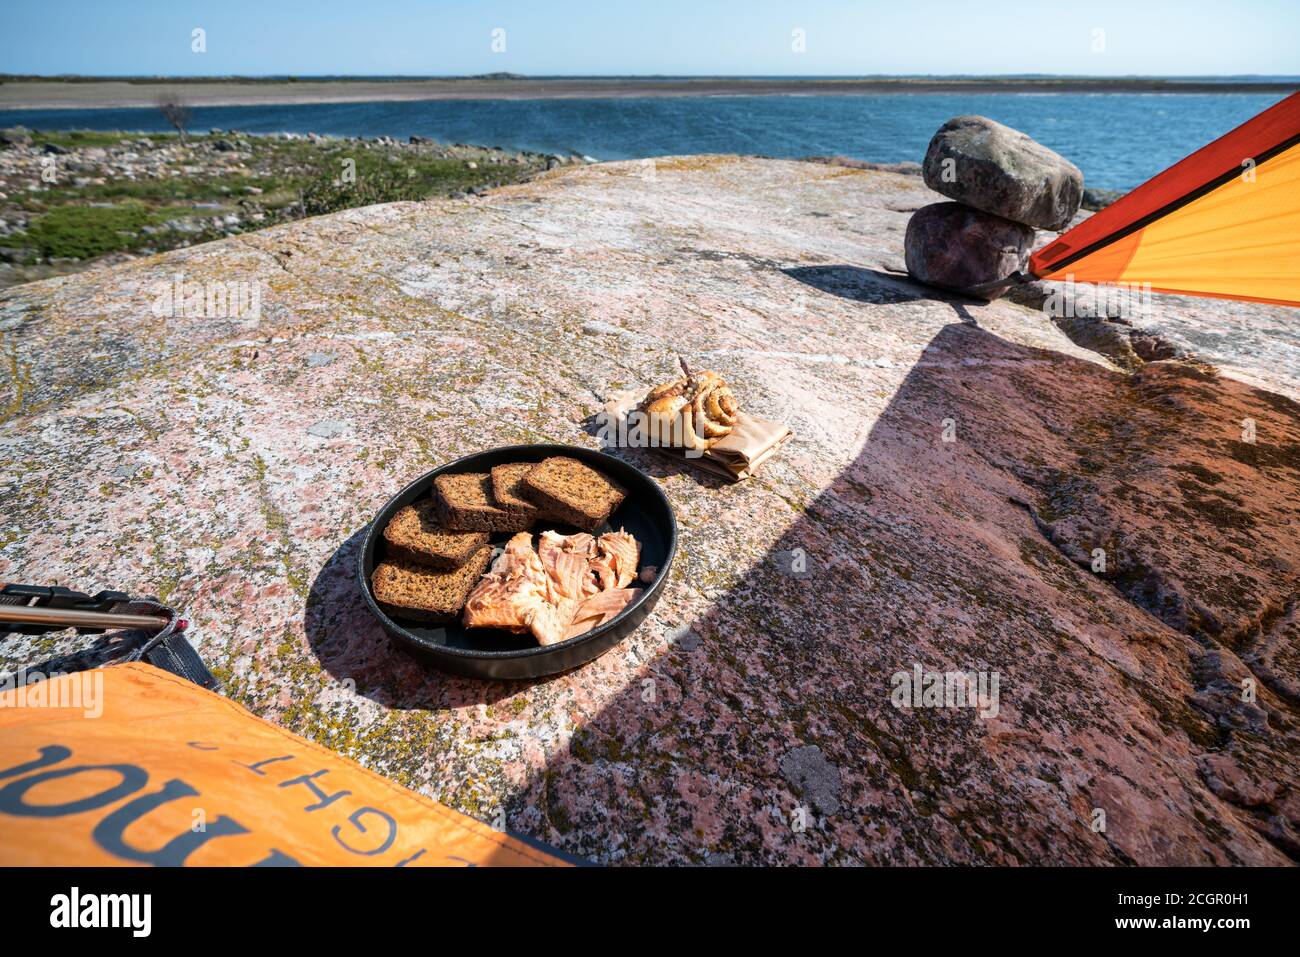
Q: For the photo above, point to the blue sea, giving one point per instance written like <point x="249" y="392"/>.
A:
<point x="1117" y="139"/>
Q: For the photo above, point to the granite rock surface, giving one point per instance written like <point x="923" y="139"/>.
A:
<point x="968" y="491"/>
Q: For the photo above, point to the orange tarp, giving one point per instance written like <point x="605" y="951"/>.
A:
<point x="132" y="765"/>
<point x="1225" y="222"/>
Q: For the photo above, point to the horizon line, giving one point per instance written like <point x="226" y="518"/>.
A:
<point x="510" y="75"/>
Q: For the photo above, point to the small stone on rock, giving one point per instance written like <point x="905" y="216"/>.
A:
<point x="684" y="638"/>
<point x="328" y="428"/>
<point x="813" y="777"/>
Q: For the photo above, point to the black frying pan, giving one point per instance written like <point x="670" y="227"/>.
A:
<point x="489" y="653"/>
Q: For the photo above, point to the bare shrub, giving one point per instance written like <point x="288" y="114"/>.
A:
<point x="176" y="113"/>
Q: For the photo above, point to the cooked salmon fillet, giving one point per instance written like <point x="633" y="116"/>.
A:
<point x="600" y="608"/>
<point x="567" y="560"/>
<point x="512" y="591"/>
<point x="615" y="562"/>
<point x="550" y="623"/>
<point x="569" y="585"/>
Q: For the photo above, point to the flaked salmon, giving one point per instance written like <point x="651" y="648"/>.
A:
<point x="513" y="591"/>
<point x="550" y="623"/>
<point x="569" y="585"/>
<point x="600" y="608"/>
<point x="567" y="560"/>
<point x="615" y="561"/>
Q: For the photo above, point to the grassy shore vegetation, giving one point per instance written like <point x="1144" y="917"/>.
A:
<point x="70" y="199"/>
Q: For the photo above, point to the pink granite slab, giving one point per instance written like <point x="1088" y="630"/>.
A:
<point x="229" y="467"/>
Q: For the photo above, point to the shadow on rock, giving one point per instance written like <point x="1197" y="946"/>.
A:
<point x="877" y="287"/>
<point x="765" y="731"/>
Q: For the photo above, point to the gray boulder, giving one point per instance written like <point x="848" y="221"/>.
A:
<point x="994" y="168"/>
<point x="14" y="136"/>
<point x="956" y="247"/>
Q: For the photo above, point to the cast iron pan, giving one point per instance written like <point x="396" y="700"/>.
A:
<point x="489" y="653"/>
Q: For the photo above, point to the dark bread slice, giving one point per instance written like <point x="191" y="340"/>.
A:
<point x="573" y="492"/>
<point x="412" y="590"/>
<point x="417" y="534"/>
<point x="468" y="505"/>
<point x="506" y="488"/>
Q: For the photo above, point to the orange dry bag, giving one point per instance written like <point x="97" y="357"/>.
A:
<point x="132" y="765"/>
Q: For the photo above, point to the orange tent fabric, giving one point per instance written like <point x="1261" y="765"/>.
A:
<point x="1224" y="222"/>
<point x="133" y="765"/>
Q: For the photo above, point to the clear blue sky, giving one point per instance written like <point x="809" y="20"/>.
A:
<point x="738" y="37"/>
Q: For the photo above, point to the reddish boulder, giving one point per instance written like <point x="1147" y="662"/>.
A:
<point x="956" y="247"/>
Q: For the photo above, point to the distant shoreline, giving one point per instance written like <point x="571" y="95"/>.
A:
<point x="126" y="93"/>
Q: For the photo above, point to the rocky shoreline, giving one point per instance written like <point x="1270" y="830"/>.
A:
<point x="73" y="200"/>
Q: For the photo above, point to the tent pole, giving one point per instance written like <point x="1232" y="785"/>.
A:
<point x="72" y="618"/>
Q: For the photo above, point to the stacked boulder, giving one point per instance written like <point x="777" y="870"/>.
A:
<point x="1005" y="185"/>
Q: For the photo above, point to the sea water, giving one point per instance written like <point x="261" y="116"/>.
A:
<point x="1117" y="139"/>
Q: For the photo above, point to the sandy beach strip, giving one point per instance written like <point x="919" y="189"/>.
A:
<point x="124" y="93"/>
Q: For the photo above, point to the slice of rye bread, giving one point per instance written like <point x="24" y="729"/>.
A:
<point x="506" y="487"/>
<point x="468" y="505"/>
<point x="412" y="590"/>
<point x="417" y="534"/>
<point x="573" y="492"/>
